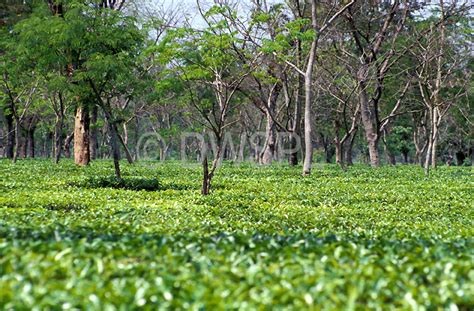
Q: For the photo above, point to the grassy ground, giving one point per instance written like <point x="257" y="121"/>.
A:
<point x="266" y="238"/>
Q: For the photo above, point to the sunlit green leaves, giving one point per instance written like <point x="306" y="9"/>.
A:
<point x="265" y="237"/>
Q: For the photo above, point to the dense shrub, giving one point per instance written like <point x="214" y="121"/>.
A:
<point x="148" y="184"/>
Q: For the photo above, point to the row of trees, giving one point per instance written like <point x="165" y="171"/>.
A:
<point x="352" y="77"/>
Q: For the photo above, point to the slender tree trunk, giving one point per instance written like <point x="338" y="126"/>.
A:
<point x="338" y="145"/>
<point x="295" y="136"/>
<point x="327" y="149"/>
<point x="31" y="141"/>
<point x="125" y="133"/>
<point x="17" y="140"/>
<point x="163" y="152"/>
<point x="205" y="178"/>
<point x="67" y="145"/>
<point x="115" y="138"/>
<point x="124" y="145"/>
<point x="369" y="122"/>
<point x="23" y="143"/>
<point x="308" y="91"/>
<point x="429" y="149"/>
<point x="308" y="143"/>
<point x="136" y="138"/>
<point x="405" y="157"/>
<point x="243" y="140"/>
<point x="208" y="174"/>
<point x="348" y="148"/>
<point x="10" y="145"/>
<point x="339" y="152"/>
<point x="270" y="141"/>
<point x="348" y="154"/>
<point x="93" y="133"/>
<point x="81" y="136"/>
<point x="58" y="130"/>
<point x="114" y="143"/>
<point x="435" y="137"/>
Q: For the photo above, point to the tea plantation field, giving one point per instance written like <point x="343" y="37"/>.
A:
<point x="266" y="238"/>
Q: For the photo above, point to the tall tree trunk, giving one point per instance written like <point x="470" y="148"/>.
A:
<point x="205" y="176"/>
<point x="17" y="140"/>
<point x="81" y="136"/>
<point x="125" y="133"/>
<point x="339" y="153"/>
<point x="338" y="145"/>
<point x="308" y="143"/>
<point x="10" y="145"/>
<point x="369" y="122"/>
<point x="328" y="152"/>
<point x="308" y="91"/>
<point x="405" y="157"/>
<point x="243" y="140"/>
<point x="348" y="151"/>
<point x="67" y="145"/>
<point x="295" y="135"/>
<point x="270" y="140"/>
<point x="58" y="130"/>
<point x="31" y="141"/>
<point x="435" y="137"/>
<point x="93" y="133"/>
<point x="23" y="143"/>
<point x="136" y="138"/>
<point x="124" y="145"/>
<point x="208" y="174"/>
<point x="115" y="138"/>
<point x="114" y="143"/>
<point x="429" y="149"/>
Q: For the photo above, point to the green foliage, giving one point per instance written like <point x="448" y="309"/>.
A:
<point x="85" y="46"/>
<point x="400" y="139"/>
<point x="266" y="238"/>
<point x="150" y="184"/>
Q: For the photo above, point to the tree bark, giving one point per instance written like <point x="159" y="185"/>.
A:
<point x="81" y="136"/>
<point x="93" y="133"/>
<point x="114" y="143"/>
<point x="435" y="137"/>
<point x="420" y="143"/>
<point x="208" y="174"/>
<point x="206" y="183"/>
<point x="17" y="140"/>
<point x="243" y="140"/>
<point x="295" y="134"/>
<point x="348" y="149"/>
<point x="338" y="152"/>
<point x="31" y="141"/>
<point x="368" y="115"/>
<point x="67" y="145"/>
<point x="115" y="138"/>
<point x="337" y="144"/>
<point x="270" y="141"/>
<point x="124" y="145"/>
<point x="429" y="149"/>
<point x="10" y="145"/>
<point x="58" y="129"/>
<point x="308" y="91"/>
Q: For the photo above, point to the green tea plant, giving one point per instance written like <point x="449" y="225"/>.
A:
<point x="266" y="238"/>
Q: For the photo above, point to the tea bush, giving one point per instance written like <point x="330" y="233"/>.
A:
<point x="266" y="238"/>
